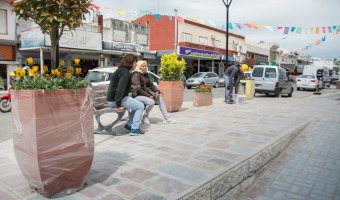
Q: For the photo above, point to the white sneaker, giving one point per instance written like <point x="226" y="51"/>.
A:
<point x="146" y="120"/>
<point x="169" y="121"/>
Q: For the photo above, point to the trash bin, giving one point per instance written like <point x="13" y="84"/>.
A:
<point x="250" y="88"/>
<point x="240" y="88"/>
<point x="240" y="96"/>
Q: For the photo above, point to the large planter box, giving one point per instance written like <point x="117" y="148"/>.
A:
<point x="173" y="93"/>
<point x="53" y="138"/>
<point x="202" y="99"/>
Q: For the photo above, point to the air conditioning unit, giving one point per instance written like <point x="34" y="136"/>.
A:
<point x="213" y="37"/>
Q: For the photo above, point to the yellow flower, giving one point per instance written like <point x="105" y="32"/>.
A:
<point x="35" y="68"/>
<point x="30" y="72"/>
<point x="22" y="73"/>
<point x="78" y="70"/>
<point x="58" y="73"/>
<point x="47" y="76"/>
<point x="30" y="61"/>
<point x="70" y="70"/>
<point x="12" y="74"/>
<point x="45" y="68"/>
<point x="68" y="75"/>
<point x="17" y="70"/>
<point x="76" y="61"/>
<point x="55" y="72"/>
<point x="61" y="63"/>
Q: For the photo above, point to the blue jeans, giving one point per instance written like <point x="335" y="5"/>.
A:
<point x="150" y="103"/>
<point x="228" y="93"/>
<point x="136" y="110"/>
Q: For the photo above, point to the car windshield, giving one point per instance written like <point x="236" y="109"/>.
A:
<point x="94" y="76"/>
<point x="197" y="75"/>
<point x="307" y="76"/>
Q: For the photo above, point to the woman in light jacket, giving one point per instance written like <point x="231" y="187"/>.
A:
<point x="148" y="93"/>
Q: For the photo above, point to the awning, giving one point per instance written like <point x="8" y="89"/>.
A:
<point x="289" y="67"/>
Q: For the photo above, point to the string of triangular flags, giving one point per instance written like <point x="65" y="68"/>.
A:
<point x="334" y="29"/>
<point x="222" y="24"/>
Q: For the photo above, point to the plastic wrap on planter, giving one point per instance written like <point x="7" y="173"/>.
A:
<point x="53" y="138"/>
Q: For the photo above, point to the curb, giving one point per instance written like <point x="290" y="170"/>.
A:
<point x="238" y="178"/>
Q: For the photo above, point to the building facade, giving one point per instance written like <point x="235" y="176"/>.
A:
<point x="203" y="47"/>
<point x="8" y="43"/>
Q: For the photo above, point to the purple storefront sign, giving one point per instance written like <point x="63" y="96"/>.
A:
<point x="198" y="53"/>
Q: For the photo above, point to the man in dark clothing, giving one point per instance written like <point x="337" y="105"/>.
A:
<point x="118" y="94"/>
<point x="232" y="75"/>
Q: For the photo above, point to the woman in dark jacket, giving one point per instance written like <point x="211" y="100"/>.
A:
<point x="118" y="91"/>
<point x="148" y="93"/>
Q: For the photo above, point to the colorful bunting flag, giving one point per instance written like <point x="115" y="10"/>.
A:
<point x="158" y="16"/>
<point x="121" y="12"/>
<point x="180" y="19"/>
<point x="286" y="30"/>
<point x="230" y="25"/>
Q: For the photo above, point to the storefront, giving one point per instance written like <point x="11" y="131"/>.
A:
<point x="84" y="45"/>
<point x="199" y="60"/>
<point x="7" y="64"/>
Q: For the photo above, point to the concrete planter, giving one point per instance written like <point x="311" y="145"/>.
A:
<point x="202" y="99"/>
<point x="53" y="138"/>
<point x="173" y="93"/>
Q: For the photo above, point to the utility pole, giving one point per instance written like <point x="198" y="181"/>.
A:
<point x="175" y="39"/>
<point x="227" y="4"/>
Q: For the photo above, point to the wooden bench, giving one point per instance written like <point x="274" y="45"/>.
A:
<point x="100" y="106"/>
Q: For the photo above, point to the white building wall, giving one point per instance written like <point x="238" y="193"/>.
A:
<point x="11" y="34"/>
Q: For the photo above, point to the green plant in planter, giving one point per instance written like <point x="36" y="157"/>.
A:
<point x="171" y="67"/>
<point x="31" y="79"/>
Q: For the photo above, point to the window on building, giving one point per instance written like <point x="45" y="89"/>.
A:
<point x="3" y="20"/>
<point x="218" y="43"/>
<point x="186" y="37"/>
<point x="203" y="40"/>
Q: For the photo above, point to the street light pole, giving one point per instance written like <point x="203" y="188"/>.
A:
<point x="227" y="4"/>
<point x="175" y="39"/>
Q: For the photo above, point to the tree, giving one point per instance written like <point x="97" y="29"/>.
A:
<point x="53" y="16"/>
<point x="249" y="61"/>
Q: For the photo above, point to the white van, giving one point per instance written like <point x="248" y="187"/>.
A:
<point x="271" y="80"/>
<point x="322" y="74"/>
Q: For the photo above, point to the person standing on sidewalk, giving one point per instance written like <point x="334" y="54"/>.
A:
<point x="231" y="75"/>
<point x="118" y="91"/>
<point x="148" y="93"/>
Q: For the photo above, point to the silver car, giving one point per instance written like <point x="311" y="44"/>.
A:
<point x="203" y="78"/>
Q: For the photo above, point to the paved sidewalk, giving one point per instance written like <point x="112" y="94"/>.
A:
<point x="174" y="160"/>
<point x="309" y="169"/>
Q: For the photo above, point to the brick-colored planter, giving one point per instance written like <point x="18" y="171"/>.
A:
<point x="53" y="138"/>
<point x="202" y="99"/>
<point x="173" y="93"/>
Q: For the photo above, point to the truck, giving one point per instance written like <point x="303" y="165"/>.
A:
<point x="322" y="73"/>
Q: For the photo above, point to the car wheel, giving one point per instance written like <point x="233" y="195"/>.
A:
<point x="202" y="83"/>
<point x="267" y="94"/>
<point x="189" y="87"/>
<point x="216" y="85"/>
<point x="298" y="88"/>
<point x="279" y="93"/>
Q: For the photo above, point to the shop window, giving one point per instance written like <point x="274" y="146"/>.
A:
<point x="186" y="37"/>
<point x="3" y="20"/>
<point x="203" y="40"/>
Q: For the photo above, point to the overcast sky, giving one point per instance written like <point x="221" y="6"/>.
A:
<point x="285" y="13"/>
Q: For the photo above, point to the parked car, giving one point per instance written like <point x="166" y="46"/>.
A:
<point x="271" y="80"/>
<point x="202" y="78"/>
<point x="221" y="81"/>
<point x="309" y="82"/>
<point x="102" y="75"/>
